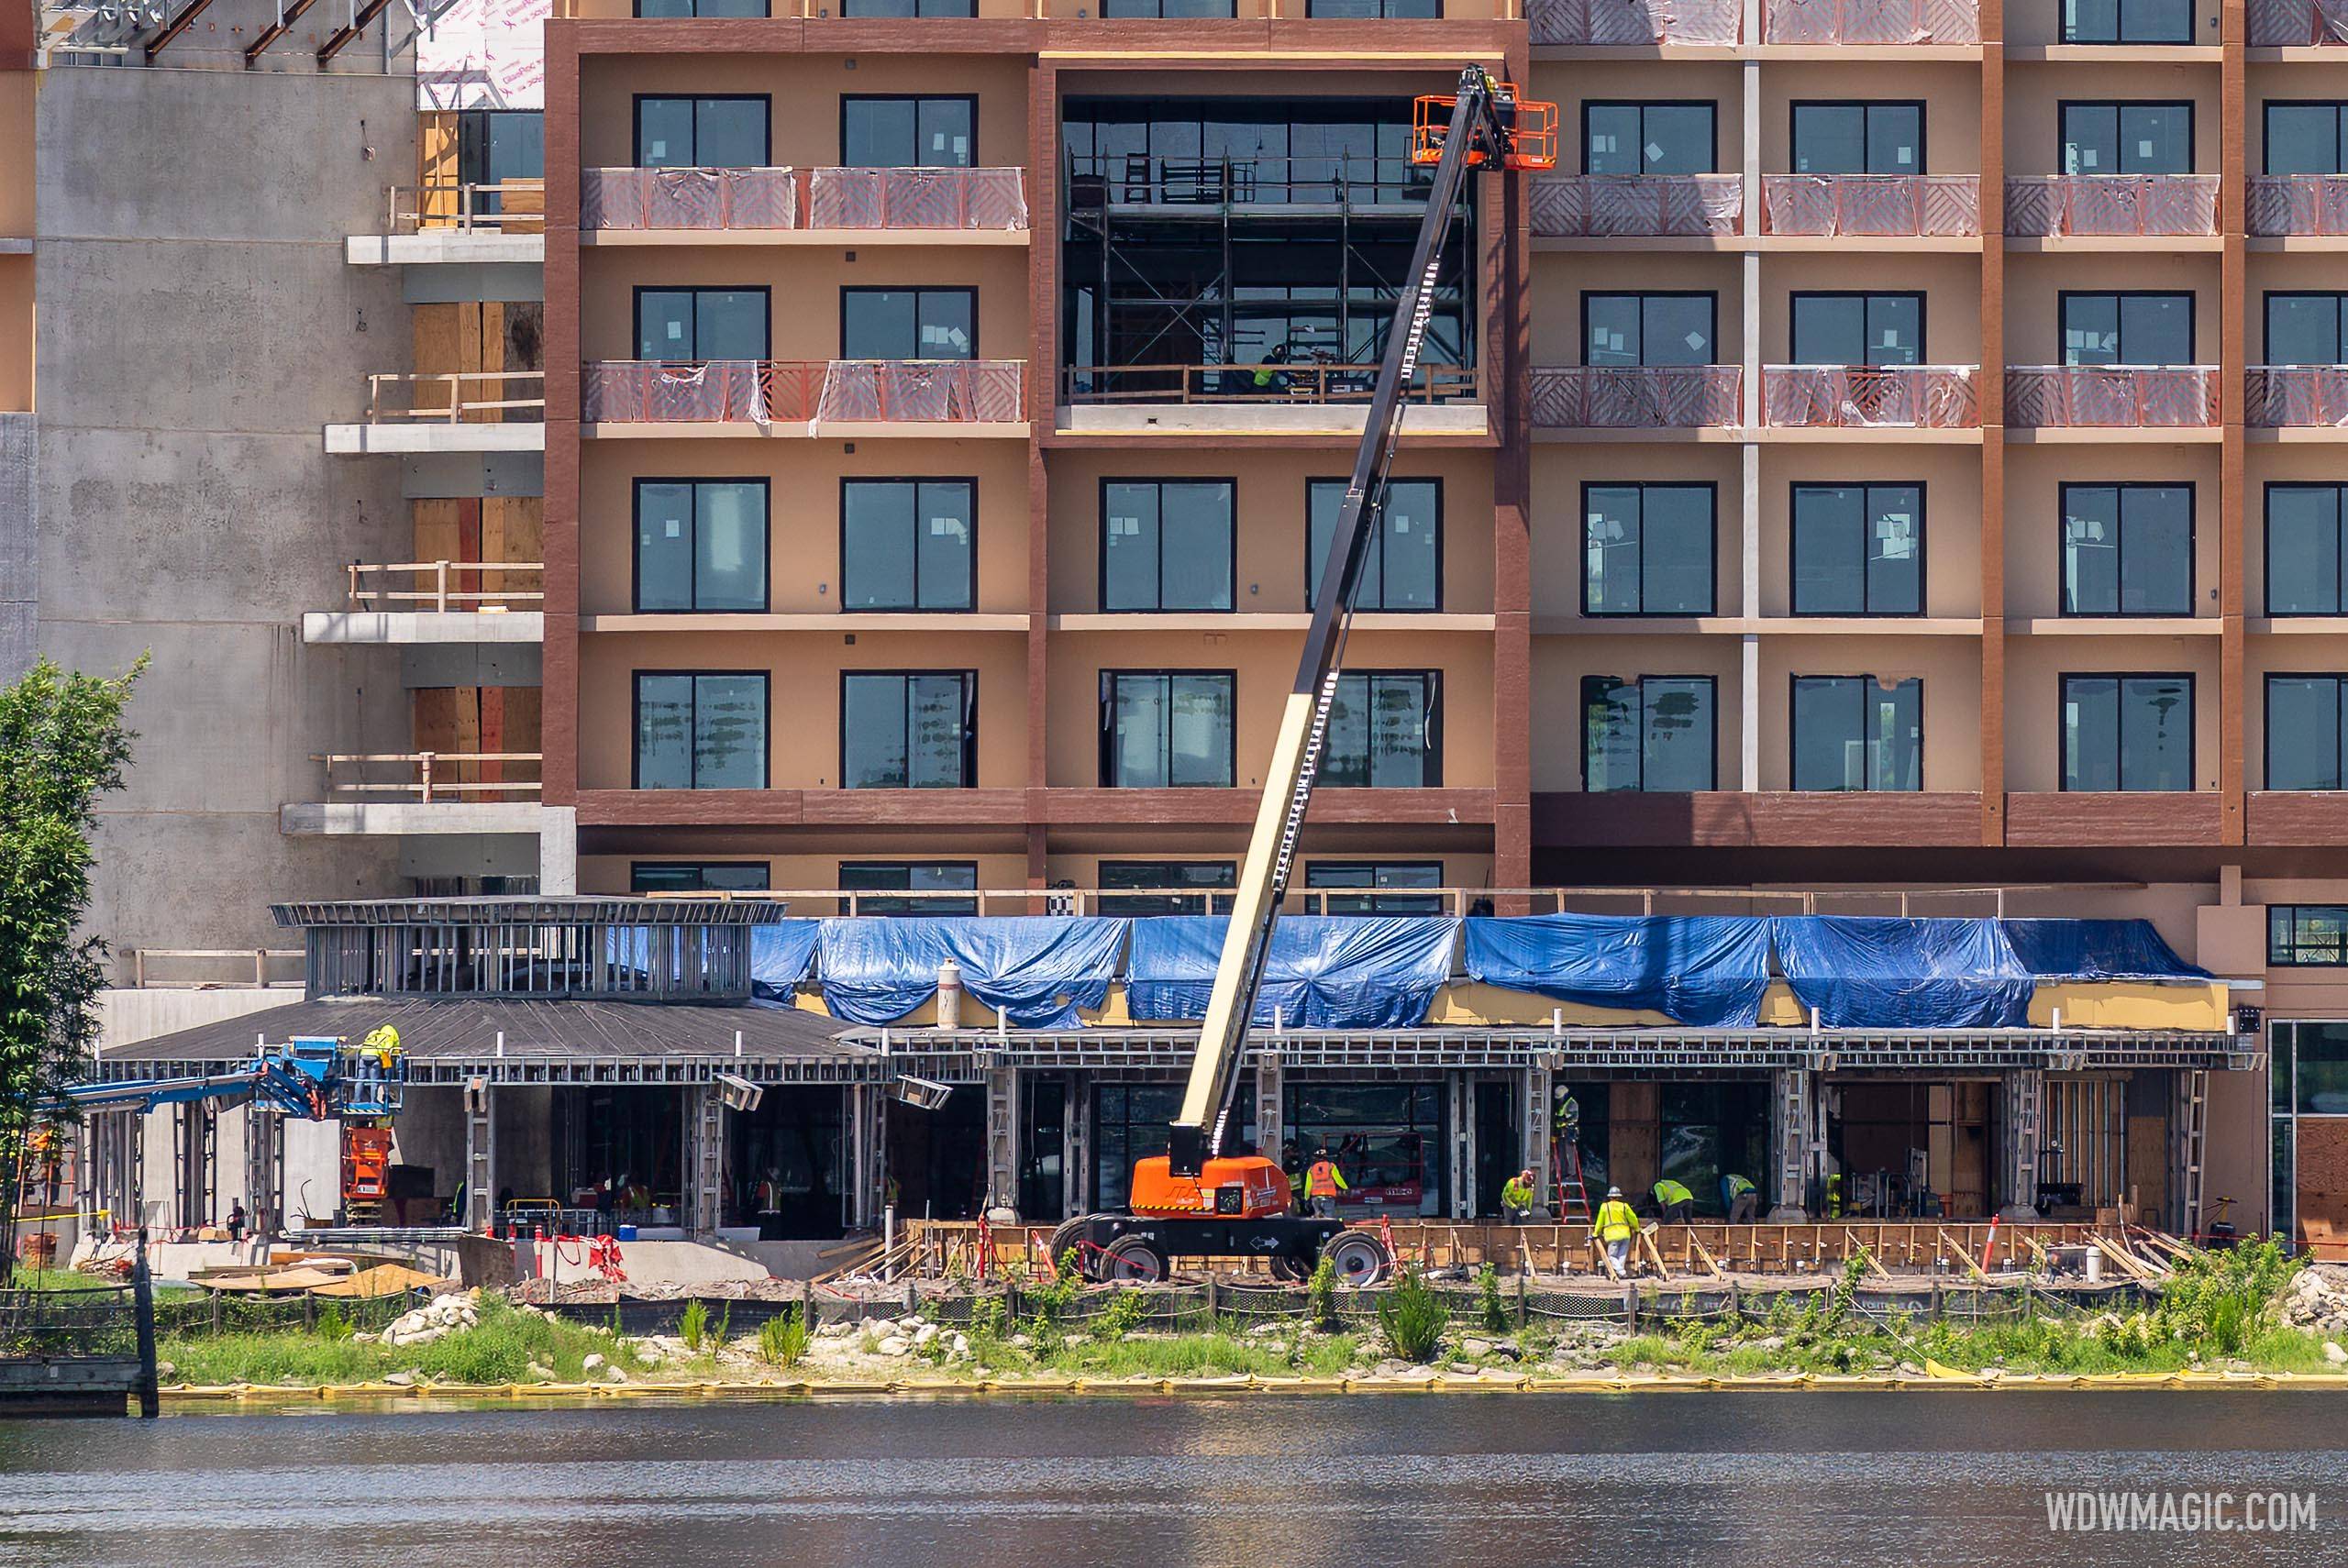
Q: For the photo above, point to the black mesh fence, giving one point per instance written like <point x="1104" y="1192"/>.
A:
<point x="196" y="1316"/>
<point x="68" y="1323"/>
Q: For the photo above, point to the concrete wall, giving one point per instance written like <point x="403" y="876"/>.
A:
<point x="198" y="323"/>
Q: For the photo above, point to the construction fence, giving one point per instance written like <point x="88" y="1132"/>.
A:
<point x="220" y="1312"/>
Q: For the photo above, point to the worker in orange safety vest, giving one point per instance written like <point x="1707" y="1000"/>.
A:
<point x="1322" y="1182"/>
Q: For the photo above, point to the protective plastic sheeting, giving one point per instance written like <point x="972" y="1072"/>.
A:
<point x="1705" y="971"/>
<point x="1324" y="971"/>
<point x="1037" y="970"/>
<point x="1882" y="973"/>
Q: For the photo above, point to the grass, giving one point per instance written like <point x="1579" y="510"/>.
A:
<point x="500" y="1350"/>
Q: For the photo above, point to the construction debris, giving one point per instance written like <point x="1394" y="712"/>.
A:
<point x="2317" y="1299"/>
<point x="446" y="1315"/>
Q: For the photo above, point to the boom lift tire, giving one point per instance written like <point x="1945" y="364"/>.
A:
<point x="1130" y="1260"/>
<point x="1358" y="1258"/>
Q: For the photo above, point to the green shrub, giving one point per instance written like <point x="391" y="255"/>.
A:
<point x="694" y="1327"/>
<point x="1121" y="1316"/>
<point x="332" y="1324"/>
<point x="1411" y="1317"/>
<point x="1321" y="1294"/>
<point x="1498" y="1319"/>
<point x="783" y="1338"/>
<point x="2222" y="1299"/>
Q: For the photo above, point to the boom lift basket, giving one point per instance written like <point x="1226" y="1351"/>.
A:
<point x="1533" y="138"/>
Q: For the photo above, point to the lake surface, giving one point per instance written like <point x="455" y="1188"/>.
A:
<point x="1753" y="1480"/>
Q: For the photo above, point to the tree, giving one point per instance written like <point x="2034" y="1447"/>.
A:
<point x="63" y="745"/>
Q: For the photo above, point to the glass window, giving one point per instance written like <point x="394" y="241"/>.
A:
<point x="1647" y="138"/>
<point x="1167" y="10"/>
<point x="873" y="880"/>
<point x="2305" y="138"/>
<point x="2305" y="935"/>
<point x="908" y="8"/>
<point x="1647" y="549"/>
<point x="2128" y="138"/>
<point x="1654" y="733"/>
<point x="1648" y="329"/>
<point x="908" y="324"/>
<point x="1129" y="1123"/>
<point x="1166" y="545"/>
<point x="909" y="729"/>
<point x="1385" y="731"/>
<point x="701" y="545"/>
<point x="697" y="876"/>
<point x="2127" y="329"/>
<point x="1165" y="729"/>
<point x="1853" y="732"/>
<point x="908" y="544"/>
<point x="1167" y="882"/>
<point x="2321" y="1050"/>
<point x="2127" y="731"/>
<point x="2127" y="21"/>
<point x="701" y="7"/>
<point x="701" y="324"/>
<point x="701" y="133"/>
<point x="494" y="146"/>
<point x="1402" y="565"/>
<point x="701" y="731"/>
<point x="2306" y="570"/>
<point x="1379" y="879"/>
<point x="2126" y="549"/>
<point x="2303" y="732"/>
<point x="2305" y="329"/>
<point x="1858" y="138"/>
<point x="1858" y="549"/>
<point x="897" y="132"/>
<point x="1374" y="10"/>
<point x="1858" y="329"/>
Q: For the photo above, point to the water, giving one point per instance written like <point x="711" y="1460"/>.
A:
<point x="1753" y="1480"/>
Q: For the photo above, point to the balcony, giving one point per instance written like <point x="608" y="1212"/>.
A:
<point x="456" y="224"/>
<point x="1291" y="398"/>
<point x="1637" y="397"/>
<point x="1608" y="206"/>
<point x="1868" y="397"/>
<point x="1618" y="24"/>
<point x="978" y="396"/>
<point x="1909" y="22"/>
<point x="2303" y="396"/>
<point x="1871" y="206"/>
<point x="395" y="793"/>
<point x="2297" y="204"/>
<point x="2297" y="24"/>
<point x="447" y="411"/>
<point x="436" y="602"/>
<point x="2111" y="397"/>
<point x="803" y="201"/>
<point x="2149" y="206"/>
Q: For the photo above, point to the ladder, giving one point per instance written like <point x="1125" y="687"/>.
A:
<point x="2193" y="1134"/>
<point x="1573" y="1196"/>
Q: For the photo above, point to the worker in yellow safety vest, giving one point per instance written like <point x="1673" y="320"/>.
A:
<point x="1322" y="1182"/>
<point x="1673" y="1202"/>
<point x="1516" y="1196"/>
<point x="1615" y="1226"/>
<point x="1741" y="1198"/>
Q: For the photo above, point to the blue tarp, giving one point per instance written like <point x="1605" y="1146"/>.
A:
<point x="1324" y="971"/>
<point x="780" y="954"/>
<point x="1706" y="971"/>
<point x="1037" y="970"/>
<point x="2095" y="950"/>
<point x="1903" y="974"/>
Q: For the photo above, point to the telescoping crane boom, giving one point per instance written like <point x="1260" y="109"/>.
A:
<point x="1196" y="1201"/>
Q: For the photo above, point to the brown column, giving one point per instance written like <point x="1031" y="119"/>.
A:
<point x="1043" y="383"/>
<point x="2233" y="354"/>
<point x="1993" y="423"/>
<point x="1509" y="396"/>
<point x="558" y="672"/>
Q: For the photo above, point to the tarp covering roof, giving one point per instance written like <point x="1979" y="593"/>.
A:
<point x="1708" y="971"/>
<point x="2096" y="950"/>
<point x="1862" y="971"/>
<point x="1322" y="972"/>
<point x="1036" y="970"/>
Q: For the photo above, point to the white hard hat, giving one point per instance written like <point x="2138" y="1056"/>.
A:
<point x="1614" y="1192"/>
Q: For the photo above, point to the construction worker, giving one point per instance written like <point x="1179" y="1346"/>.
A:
<point x="1322" y="1182"/>
<point x="1740" y="1198"/>
<point x="1673" y="1202"/>
<point x="1566" y="1117"/>
<point x="1516" y="1195"/>
<point x="1616" y="1226"/>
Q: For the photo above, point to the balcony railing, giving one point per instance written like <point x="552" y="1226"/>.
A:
<point x="514" y="206"/>
<point x="1923" y="397"/>
<point x="1636" y="397"/>
<point x="1634" y="22"/>
<point x="443" y="585"/>
<point x="1605" y="205"/>
<point x="785" y="198"/>
<point x="1354" y="181"/>
<point x="1871" y="22"/>
<point x="2154" y="205"/>
<point x="1290" y="383"/>
<point x="2297" y="24"/>
<point x="2279" y="395"/>
<point x="2111" y="396"/>
<point x="449" y="396"/>
<point x="772" y="392"/>
<point x="1871" y="205"/>
<point x="429" y="776"/>
<point x="2297" y="204"/>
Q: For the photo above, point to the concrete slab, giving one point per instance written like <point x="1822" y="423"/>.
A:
<point x="350" y="440"/>
<point x="383" y="628"/>
<point x="380" y="818"/>
<point x="443" y="247"/>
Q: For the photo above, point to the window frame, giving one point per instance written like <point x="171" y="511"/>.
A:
<point x="636" y="678"/>
<point x="2062" y="298"/>
<point x="1924" y="555"/>
<point x="1377" y="540"/>
<point x="848" y="14"/>
<point x="2291" y="910"/>
<point x="635" y="557"/>
<point x="701" y="869"/>
<point x="1866" y="297"/>
<point x="1105" y="726"/>
<point x="1712" y="563"/>
<point x="636" y="303"/>
<point x="969" y="678"/>
<point x="1100" y="541"/>
<point x="2339" y="298"/>
<point x="1431" y="689"/>
<point x="1642" y="105"/>
<point x="2339" y="107"/>
<point x="636" y="126"/>
<point x="2340" y="542"/>
<point x="1865" y="107"/>
<point x="916" y="99"/>
<point x="969" y="291"/>
<point x="916" y="481"/>
<point x="2120" y="29"/>
<point x="1711" y="329"/>
<point x="1317" y="898"/>
<point x="2063" y="490"/>
<point x="2266" y="728"/>
<point x="1712" y="735"/>
<point x="2192" y="728"/>
<point x="1867" y="680"/>
<point x="2063" y="107"/>
<point x="1209" y="899"/>
<point x="914" y="906"/>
